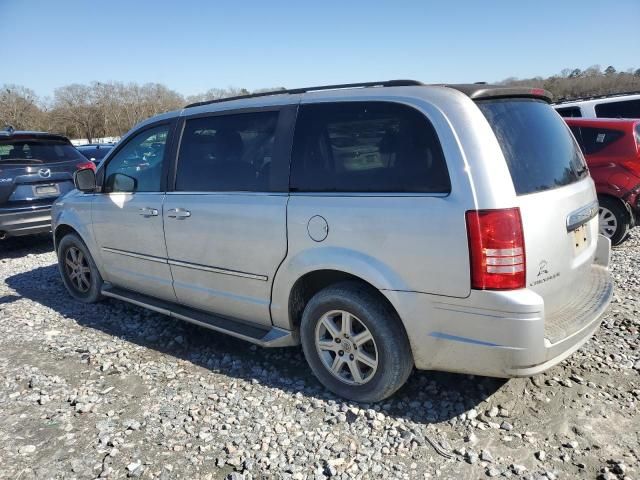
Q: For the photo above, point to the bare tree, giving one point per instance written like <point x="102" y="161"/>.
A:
<point x="19" y="107"/>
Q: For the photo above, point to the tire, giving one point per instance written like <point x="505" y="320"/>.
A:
<point x="614" y="220"/>
<point x="389" y="344"/>
<point x="86" y="286"/>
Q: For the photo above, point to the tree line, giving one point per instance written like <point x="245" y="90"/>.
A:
<point x="576" y="83"/>
<point x="98" y="109"/>
<point x="106" y="109"/>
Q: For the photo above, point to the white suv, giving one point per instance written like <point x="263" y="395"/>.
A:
<point x="624" y="105"/>
<point x="383" y="226"/>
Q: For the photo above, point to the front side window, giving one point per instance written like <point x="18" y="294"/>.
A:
<point x="137" y="167"/>
<point x="366" y="147"/>
<point x="226" y="153"/>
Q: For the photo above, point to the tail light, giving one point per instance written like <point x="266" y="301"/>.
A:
<point x="87" y="164"/>
<point x="496" y="249"/>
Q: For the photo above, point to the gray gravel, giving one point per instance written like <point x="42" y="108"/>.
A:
<point x="114" y="391"/>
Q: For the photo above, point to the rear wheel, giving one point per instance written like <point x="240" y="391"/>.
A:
<point x="614" y="220"/>
<point x="355" y="343"/>
<point x="79" y="272"/>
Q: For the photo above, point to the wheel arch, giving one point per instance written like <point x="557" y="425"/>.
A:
<point x="320" y="267"/>
<point x="624" y="205"/>
<point x="65" y="228"/>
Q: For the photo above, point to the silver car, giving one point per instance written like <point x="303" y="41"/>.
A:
<point x="383" y="226"/>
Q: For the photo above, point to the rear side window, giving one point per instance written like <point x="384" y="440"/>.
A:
<point x="571" y="112"/>
<point x="622" y="109"/>
<point x="366" y="147"/>
<point x="536" y="143"/>
<point x="37" y="151"/>
<point x="593" y="140"/>
<point x="227" y="153"/>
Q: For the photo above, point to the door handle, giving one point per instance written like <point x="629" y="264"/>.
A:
<point x="148" y="212"/>
<point x="178" y="213"/>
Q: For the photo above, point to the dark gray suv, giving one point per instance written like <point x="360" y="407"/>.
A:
<point x="35" y="169"/>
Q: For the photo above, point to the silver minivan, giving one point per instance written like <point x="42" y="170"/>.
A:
<point x="383" y="226"/>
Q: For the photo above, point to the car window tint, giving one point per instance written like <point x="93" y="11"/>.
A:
<point x="366" y="147"/>
<point x="622" y="109"/>
<point x="594" y="140"/>
<point x="227" y="153"/>
<point x="37" y="151"/>
<point x="539" y="151"/>
<point x="139" y="159"/>
<point x="569" y="111"/>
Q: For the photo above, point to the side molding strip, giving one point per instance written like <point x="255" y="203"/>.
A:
<point x="194" y="266"/>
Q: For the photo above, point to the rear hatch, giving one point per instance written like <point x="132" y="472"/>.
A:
<point x="556" y="196"/>
<point x="35" y="170"/>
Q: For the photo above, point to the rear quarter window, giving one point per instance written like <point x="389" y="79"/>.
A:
<point x="621" y="109"/>
<point x="366" y="147"/>
<point x="537" y="145"/>
<point x="594" y="140"/>
<point x="569" y="112"/>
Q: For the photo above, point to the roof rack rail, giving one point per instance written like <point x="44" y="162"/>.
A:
<point x="596" y="97"/>
<point x="386" y="83"/>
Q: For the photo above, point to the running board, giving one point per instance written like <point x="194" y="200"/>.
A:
<point x="258" y="334"/>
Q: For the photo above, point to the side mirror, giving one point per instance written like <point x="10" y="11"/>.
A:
<point x="85" y="180"/>
<point x="119" y="182"/>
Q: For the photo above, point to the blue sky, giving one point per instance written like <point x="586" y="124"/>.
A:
<point x="192" y="46"/>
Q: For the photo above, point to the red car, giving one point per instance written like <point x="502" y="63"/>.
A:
<point x="612" y="150"/>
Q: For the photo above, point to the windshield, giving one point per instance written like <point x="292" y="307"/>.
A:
<point x="37" y="151"/>
<point x="537" y="145"/>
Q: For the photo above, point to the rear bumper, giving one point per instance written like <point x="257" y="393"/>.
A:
<point x="503" y="334"/>
<point x="25" y="220"/>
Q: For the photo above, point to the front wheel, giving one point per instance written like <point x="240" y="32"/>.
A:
<point x="614" y="220"/>
<point x="78" y="270"/>
<point x="355" y="343"/>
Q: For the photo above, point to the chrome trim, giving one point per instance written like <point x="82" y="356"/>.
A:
<point x="135" y="255"/>
<point x="581" y="216"/>
<point x="222" y="271"/>
<point x="193" y="266"/>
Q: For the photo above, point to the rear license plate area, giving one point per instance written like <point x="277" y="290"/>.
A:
<point x="48" y="190"/>
<point x="580" y="238"/>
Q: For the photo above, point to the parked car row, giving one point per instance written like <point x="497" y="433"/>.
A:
<point x="383" y="226"/>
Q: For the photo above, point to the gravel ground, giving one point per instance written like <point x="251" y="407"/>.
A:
<point x="114" y="391"/>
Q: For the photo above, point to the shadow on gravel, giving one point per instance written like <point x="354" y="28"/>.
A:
<point x="16" y="247"/>
<point x="441" y="396"/>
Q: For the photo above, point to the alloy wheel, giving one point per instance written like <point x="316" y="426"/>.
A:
<point x="77" y="269"/>
<point x="608" y="222"/>
<point x="346" y="347"/>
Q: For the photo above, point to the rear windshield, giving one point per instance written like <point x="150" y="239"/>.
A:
<point x="538" y="146"/>
<point x="95" y="153"/>
<point x="17" y="151"/>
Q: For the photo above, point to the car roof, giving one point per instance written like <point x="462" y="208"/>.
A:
<point x="386" y="90"/>
<point x="96" y="145"/>
<point x="597" y="99"/>
<point x="473" y="90"/>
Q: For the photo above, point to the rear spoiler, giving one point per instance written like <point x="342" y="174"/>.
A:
<point x="484" y="92"/>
